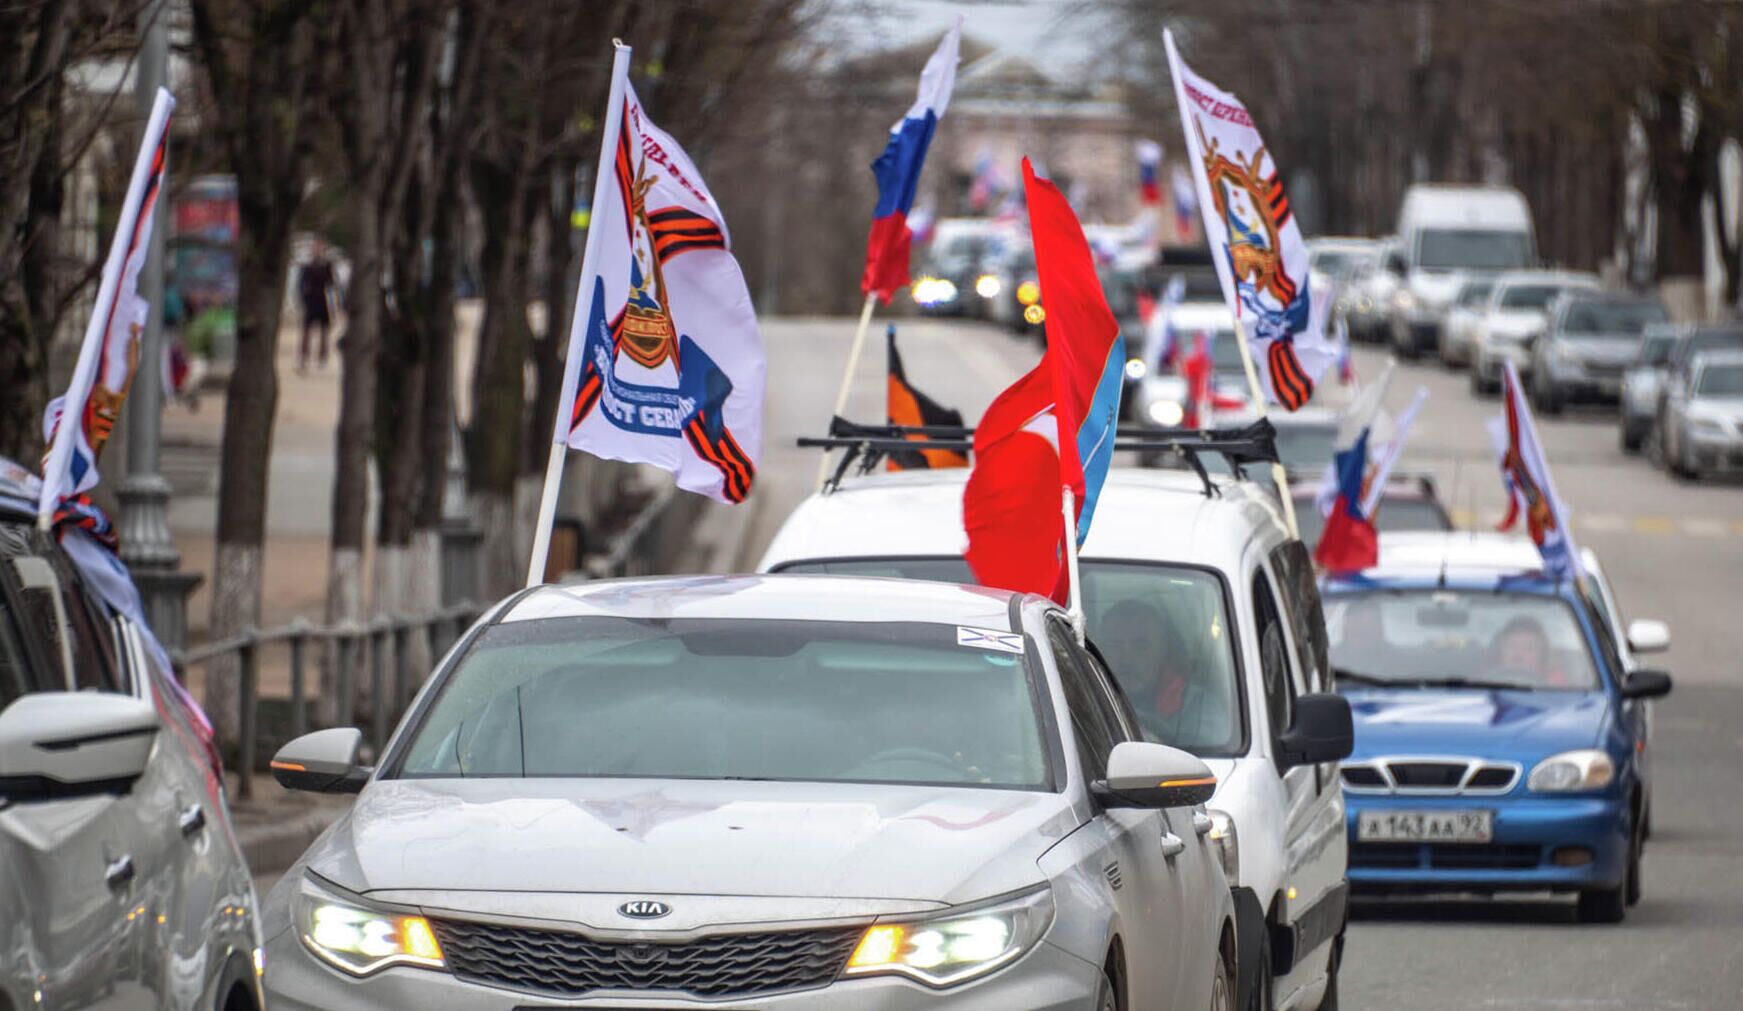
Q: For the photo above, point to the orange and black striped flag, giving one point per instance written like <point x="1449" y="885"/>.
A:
<point x="908" y="406"/>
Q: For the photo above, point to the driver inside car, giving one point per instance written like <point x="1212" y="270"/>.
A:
<point x="1521" y="647"/>
<point x="1154" y="667"/>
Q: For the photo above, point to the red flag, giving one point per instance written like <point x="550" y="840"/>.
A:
<point x="1011" y="504"/>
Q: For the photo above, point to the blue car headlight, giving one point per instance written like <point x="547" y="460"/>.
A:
<point x="1572" y="772"/>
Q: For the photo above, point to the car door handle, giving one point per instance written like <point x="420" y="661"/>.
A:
<point x="1201" y="823"/>
<point x="119" y="872"/>
<point x="1172" y="846"/>
<point x="193" y="819"/>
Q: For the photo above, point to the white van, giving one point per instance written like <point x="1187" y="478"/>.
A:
<point x="1208" y="613"/>
<point x="1445" y="234"/>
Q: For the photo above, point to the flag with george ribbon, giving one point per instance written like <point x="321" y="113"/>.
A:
<point x="78" y="423"/>
<point x="898" y="172"/>
<point x="1530" y="489"/>
<point x="666" y="363"/>
<point x="907" y="406"/>
<point x="1254" y="239"/>
<point x="1054" y="428"/>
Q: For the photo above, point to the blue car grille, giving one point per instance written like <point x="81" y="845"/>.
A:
<point x="1444" y="857"/>
<point x="567" y="964"/>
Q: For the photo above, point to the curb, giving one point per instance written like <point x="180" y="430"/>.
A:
<point x="272" y="847"/>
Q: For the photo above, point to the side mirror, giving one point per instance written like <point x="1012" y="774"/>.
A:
<point x="1648" y="636"/>
<point x="322" y="762"/>
<point x="1322" y="731"/>
<point x="69" y="744"/>
<point x="1646" y="684"/>
<point x="1141" y="774"/>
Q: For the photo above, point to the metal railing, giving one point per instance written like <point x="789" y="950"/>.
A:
<point x="378" y="646"/>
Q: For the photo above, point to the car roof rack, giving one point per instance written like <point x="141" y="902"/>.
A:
<point x="870" y="445"/>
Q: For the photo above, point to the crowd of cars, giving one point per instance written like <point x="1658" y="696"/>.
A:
<point x="1462" y="281"/>
<point x="854" y="780"/>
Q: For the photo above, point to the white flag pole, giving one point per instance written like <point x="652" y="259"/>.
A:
<point x="1068" y="503"/>
<point x="1207" y="208"/>
<point x="1394" y="450"/>
<point x="853" y="353"/>
<point x="608" y="137"/>
<point x="66" y="430"/>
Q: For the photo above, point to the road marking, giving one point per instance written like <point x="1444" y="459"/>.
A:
<point x="1602" y="521"/>
<point x="1654" y="525"/>
<point x="1704" y="528"/>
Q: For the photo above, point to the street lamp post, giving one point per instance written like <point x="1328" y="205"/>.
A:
<point x="146" y="545"/>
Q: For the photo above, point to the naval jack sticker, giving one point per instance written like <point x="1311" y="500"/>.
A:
<point x="987" y="638"/>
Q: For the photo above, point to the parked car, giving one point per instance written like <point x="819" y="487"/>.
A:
<point x="1500" y="737"/>
<point x="1592" y="338"/>
<point x="1517" y="316"/>
<point x="1443" y="231"/>
<point x="1641" y="381"/>
<point x="1703" y="427"/>
<point x="120" y="876"/>
<point x="1208" y="612"/>
<point x="779" y="792"/>
<point x="1409" y="502"/>
<point x="1689" y="346"/>
<point x="1463" y="318"/>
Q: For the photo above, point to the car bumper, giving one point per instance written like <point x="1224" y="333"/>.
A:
<point x="1586" y="385"/>
<point x="1715" y="453"/>
<point x="1419" y="335"/>
<point x="1046" y="978"/>
<point x="1528" y="833"/>
<point x="1493" y="353"/>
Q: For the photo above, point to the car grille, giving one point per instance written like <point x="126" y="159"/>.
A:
<point x="569" y="964"/>
<point x="1430" y="775"/>
<point x="1444" y="857"/>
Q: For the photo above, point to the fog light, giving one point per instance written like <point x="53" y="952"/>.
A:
<point x="1571" y="856"/>
<point x="1034" y="314"/>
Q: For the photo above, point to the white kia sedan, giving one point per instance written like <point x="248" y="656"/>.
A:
<point x="759" y="792"/>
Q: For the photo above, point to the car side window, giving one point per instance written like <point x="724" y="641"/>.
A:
<point x="17" y="675"/>
<point x="1608" y="654"/>
<point x="1116" y="708"/>
<point x="1273" y="659"/>
<point x="95" y="667"/>
<point x="1089" y="720"/>
<point x="1301" y="602"/>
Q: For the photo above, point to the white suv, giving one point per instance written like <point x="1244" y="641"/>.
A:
<point x="1209" y="615"/>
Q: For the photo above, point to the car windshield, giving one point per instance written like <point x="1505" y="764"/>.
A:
<point x="1530" y="296"/>
<point x="956" y="252"/>
<point x="886" y="702"/>
<point x="1655" y="349"/>
<point x="1397" y="513"/>
<point x="1163" y="629"/>
<point x="1438" y="637"/>
<point x="1475" y="294"/>
<point x="1612" y="319"/>
<point x="1721" y="381"/>
<point x="1336" y="262"/>
<point x="1708" y="340"/>
<point x="1472" y="249"/>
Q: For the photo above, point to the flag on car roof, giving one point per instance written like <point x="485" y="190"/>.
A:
<point x="1530" y="489"/>
<point x="1348" y="542"/>
<point x="671" y="366"/>
<point x="908" y="406"/>
<point x="1052" y="429"/>
<point x="1185" y="197"/>
<point x="1161" y="336"/>
<point x="1254" y="239"/>
<point x="1149" y="172"/>
<point x="898" y="171"/>
<point x="109" y="356"/>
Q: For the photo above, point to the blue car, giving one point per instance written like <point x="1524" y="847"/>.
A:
<point x="1500" y="745"/>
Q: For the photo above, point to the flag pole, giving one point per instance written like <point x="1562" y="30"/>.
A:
<point x="1074" y="607"/>
<point x="608" y="137"/>
<point x="1206" y="207"/>
<point x="853" y="353"/>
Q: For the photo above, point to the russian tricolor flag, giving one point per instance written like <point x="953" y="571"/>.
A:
<point x="898" y="172"/>
<point x="1349" y="543"/>
<point x="1149" y="172"/>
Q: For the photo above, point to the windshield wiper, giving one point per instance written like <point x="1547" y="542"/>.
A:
<point x="1463" y="682"/>
<point x="1343" y="674"/>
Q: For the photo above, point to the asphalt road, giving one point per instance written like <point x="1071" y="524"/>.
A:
<point x="1674" y="551"/>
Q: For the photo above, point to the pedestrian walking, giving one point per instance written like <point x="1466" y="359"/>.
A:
<point x="314" y="290"/>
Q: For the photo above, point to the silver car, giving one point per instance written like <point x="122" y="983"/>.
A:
<point x="1592" y="338"/>
<point x="759" y="792"/>
<point x="122" y="886"/>
<point x="1703" y="428"/>
<point x="1641" y="381"/>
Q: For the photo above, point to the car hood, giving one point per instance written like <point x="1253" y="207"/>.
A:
<point x="1717" y="409"/>
<point x="687" y="837"/>
<point x="1516" y="321"/>
<point x="1523" y="726"/>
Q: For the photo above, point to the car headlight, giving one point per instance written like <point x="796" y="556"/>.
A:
<point x="1571" y="771"/>
<point x="1227" y="843"/>
<point x="360" y="940"/>
<point x="1028" y="293"/>
<point x="1035" y="314"/>
<point x="1706" y="426"/>
<point x="955" y="946"/>
<point x="987" y="286"/>
<point x="1135" y="368"/>
<point x="1166" y="413"/>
